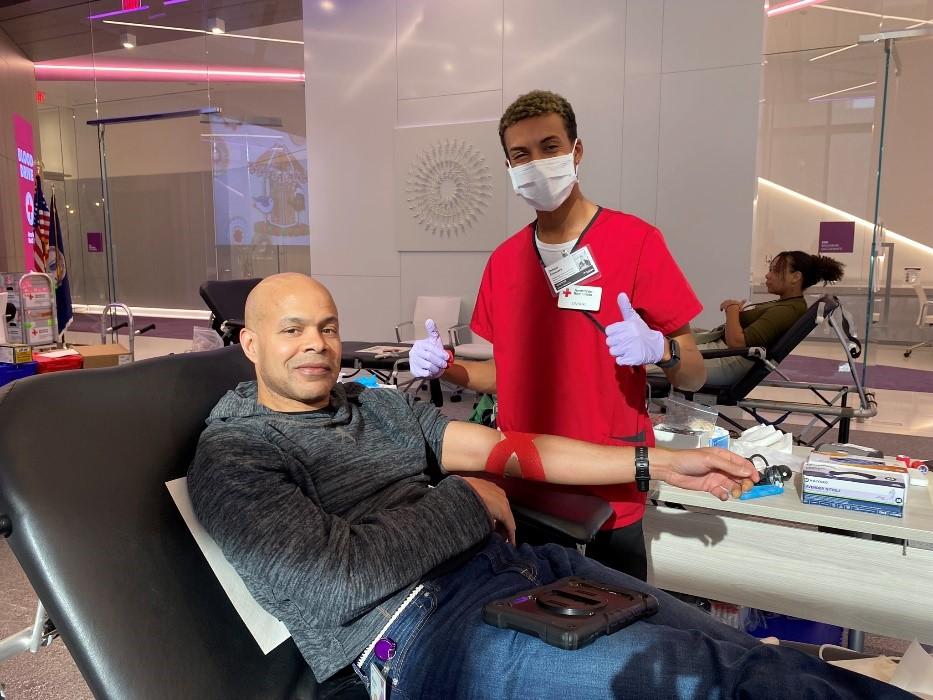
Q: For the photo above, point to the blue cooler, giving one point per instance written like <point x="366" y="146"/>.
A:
<point x="8" y="373"/>
<point x="793" y="629"/>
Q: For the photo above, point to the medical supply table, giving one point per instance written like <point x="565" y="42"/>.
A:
<point x="352" y="355"/>
<point x="778" y="554"/>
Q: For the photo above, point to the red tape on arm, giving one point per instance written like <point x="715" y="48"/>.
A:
<point x="523" y="446"/>
<point x="529" y="461"/>
<point x="498" y="456"/>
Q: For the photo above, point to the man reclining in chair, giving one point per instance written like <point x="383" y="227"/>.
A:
<point x="319" y="495"/>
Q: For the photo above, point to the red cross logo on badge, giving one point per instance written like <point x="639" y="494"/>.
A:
<point x="567" y="292"/>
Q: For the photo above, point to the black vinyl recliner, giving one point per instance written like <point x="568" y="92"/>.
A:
<point x="102" y="543"/>
<point x="83" y="465"/>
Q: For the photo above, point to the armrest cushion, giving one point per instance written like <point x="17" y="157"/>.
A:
<point x="753" y="353"/>
<point x="575" y="515"/>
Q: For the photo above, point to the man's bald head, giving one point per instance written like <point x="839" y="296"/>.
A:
<point x="262" y="300"/>
<point x="293" y="338"/>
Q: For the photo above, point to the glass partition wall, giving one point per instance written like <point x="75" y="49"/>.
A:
<point x="845" y="91"/>
<point x="180" y="127"/>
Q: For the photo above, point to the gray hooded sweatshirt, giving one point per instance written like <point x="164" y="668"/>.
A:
<point x="328" y="515"/>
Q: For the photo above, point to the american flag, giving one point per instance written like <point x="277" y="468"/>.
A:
<point x="40" y="243"/>
<point x="57" y="268"/>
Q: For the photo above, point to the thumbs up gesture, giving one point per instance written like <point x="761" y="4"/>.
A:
<point x="630" y="340"/>
<point x="427" y="358"/>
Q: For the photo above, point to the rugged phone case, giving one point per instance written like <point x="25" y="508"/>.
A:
<point x="570" y="613"/>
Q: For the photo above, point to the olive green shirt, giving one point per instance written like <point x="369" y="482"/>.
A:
<point x="764" y="324"/>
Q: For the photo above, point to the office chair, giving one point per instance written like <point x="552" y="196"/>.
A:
<point x="924" y="318"/>
<point x="446" y="314"/>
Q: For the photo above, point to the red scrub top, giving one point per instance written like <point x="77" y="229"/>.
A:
<point x="554" y="373"/>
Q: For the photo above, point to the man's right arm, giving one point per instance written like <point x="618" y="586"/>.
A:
<point x="476" y="375"/>
<point x="281" y="541"/>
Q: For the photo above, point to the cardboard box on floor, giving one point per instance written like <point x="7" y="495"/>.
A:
<point x="108" y="355"/>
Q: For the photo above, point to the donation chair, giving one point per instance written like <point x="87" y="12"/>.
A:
<point x="829" y="404"/>
<point x="227" y="301"/>
<point x="102" y="543"/>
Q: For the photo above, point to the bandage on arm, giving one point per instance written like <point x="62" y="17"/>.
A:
<point x="527" y="459"/>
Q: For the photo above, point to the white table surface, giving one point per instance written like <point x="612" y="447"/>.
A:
<point x="767" y="553"/>
<point x="916" y="525"/>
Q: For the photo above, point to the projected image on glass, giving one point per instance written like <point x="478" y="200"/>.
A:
<point x="260" y="186"/>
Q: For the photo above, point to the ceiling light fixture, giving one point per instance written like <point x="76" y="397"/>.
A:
<point x="215" y="25"/>
<point x="327" y="5"/>
<point x="128" y="40"/>
<point x="52" y="70"/>
<point x="824" y="55"/>
<point x="791" y="7"/>
<point x="845" y="215"/>
<point x="200" y="31"/>
<point x="839" y="92"/>
<point x="865" y="13"/>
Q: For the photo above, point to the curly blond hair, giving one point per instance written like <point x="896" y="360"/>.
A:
<point x="534" y="104"/>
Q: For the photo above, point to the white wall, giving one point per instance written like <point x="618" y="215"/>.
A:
<point x="666" y="96"/>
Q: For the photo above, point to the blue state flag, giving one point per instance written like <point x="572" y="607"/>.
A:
<point x="59" y="270"/>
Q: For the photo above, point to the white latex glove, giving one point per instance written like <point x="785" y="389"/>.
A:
<point x="630" y="340"/>
<point x="427" y="358"/>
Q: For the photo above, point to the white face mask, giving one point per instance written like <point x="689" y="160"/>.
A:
<point x="546" y="183"/>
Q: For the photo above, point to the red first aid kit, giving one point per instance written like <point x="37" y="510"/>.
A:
<point x="58" y="361"/>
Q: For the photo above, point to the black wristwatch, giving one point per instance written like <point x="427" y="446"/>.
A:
<point x="675" y="355"/>
<point x="642" y="477"/>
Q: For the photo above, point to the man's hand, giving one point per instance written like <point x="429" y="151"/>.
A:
<point x="712" y="469"/>
<point x="631" y="341"/>
<point x="427" y="358"/>
<point x="497" y="504"/>
<point x="732" y="302"/>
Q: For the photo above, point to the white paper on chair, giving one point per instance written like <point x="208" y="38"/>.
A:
<point x="915" y="672"/>
<point x="266" y="629"/>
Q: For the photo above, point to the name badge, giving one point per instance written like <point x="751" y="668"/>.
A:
<point x="575" y="268"/>
<point x="580" y="298"/>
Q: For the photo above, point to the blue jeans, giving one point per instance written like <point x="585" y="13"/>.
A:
<point x="445" y="650"/>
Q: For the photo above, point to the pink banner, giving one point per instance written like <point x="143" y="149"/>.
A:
<point x="26" y="176"/>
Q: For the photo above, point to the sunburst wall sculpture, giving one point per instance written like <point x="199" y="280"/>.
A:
<point x="449" y="194"/>
<point x="448" y="188"/>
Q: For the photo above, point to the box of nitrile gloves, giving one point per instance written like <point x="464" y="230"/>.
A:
<point x="855" y="483"/>
<point x="816" y="499"/>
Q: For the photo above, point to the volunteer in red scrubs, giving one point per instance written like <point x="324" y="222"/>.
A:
<point x="576" y="304"/>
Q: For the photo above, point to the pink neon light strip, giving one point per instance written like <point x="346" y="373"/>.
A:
<point x="118" y="12"/>
<point x="52" y="70"/>
<point x="792" y="6"/>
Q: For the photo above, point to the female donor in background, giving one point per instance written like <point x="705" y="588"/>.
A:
<point x="762" y="325"/>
